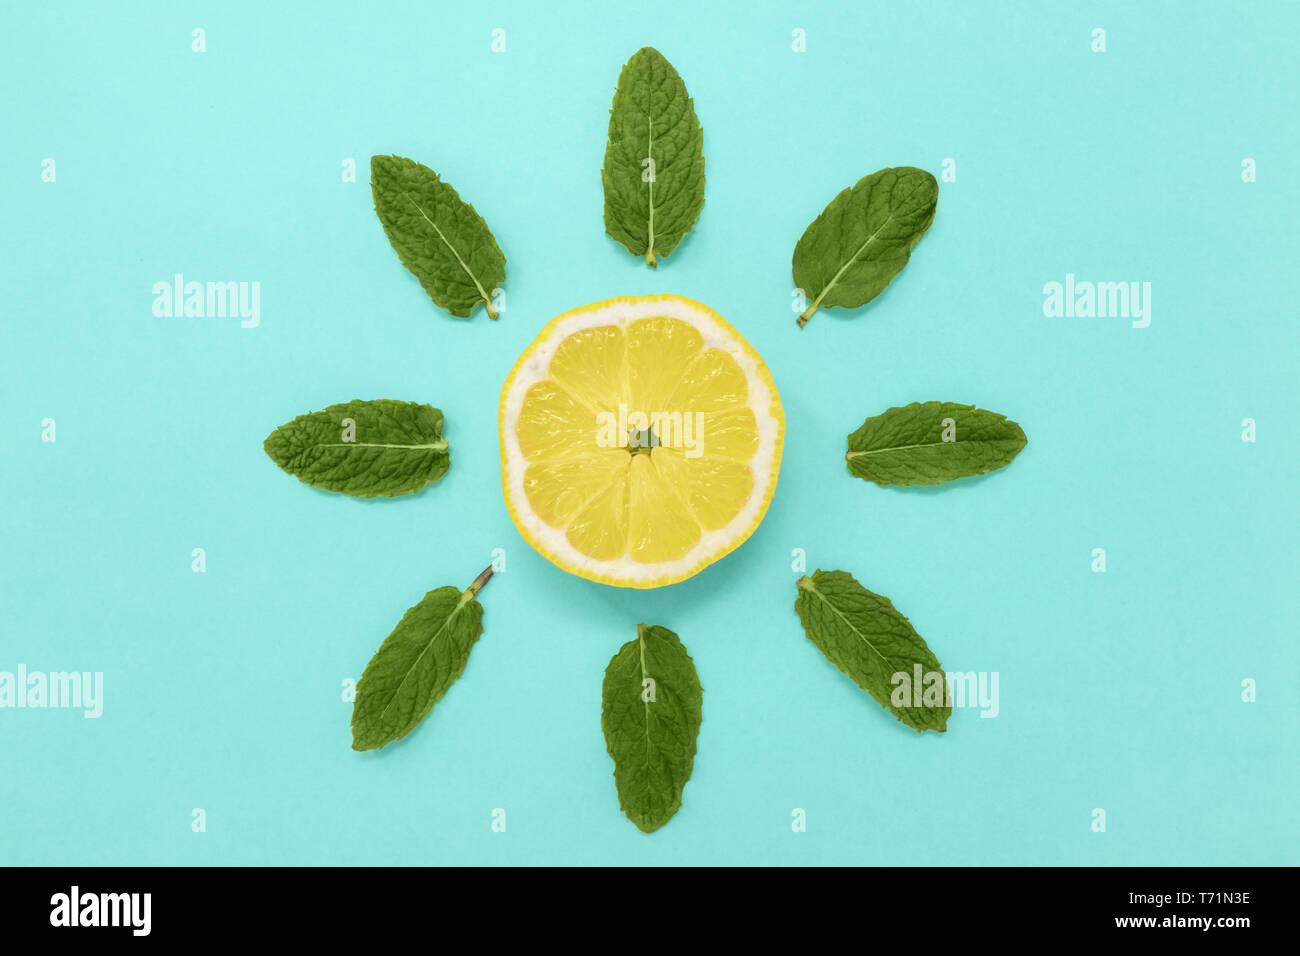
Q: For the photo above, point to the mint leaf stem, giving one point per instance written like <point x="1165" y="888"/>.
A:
<point x="808" y="312"/>
<point x="480" y="581"/>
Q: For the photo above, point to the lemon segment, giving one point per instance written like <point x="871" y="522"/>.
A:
<point x="661" y="528"/>
<point x="557" y="490"/>
<point x="659" y="350"/>
<point x="714" y="489"/>
<point x="599" y="530"/>
<point x="713" y="382"/>
<point x="641" y="440"/>
<point x="590" y="365"/>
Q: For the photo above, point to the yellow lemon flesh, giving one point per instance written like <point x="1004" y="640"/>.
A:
<point x="640" y="440"/>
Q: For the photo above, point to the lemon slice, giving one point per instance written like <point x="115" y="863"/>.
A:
<point x="640" y="440"/>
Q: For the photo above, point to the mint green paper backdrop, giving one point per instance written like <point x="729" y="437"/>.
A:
<point x="223" y="690"/>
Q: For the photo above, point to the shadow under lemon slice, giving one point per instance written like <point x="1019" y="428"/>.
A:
<point x="640" y="440"/>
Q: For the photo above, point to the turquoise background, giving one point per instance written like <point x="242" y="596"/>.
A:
<point x="223" y="690"/>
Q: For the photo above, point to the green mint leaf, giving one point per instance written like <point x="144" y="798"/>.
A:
<point x="416" y="665"/>
<point x="437" y="235"/>
<point x="654" y="163"/>
<point x="866" y="638"/>
<point x="864" y="238"/>
<point x="364" y="449"/>
<point x="650" y="712"/>
<point x="928" y="443"/>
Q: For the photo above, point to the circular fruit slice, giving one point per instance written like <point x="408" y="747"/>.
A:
<point x="640" y="440"/>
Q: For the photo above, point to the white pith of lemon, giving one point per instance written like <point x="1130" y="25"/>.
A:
<point x="657" y="516"/>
